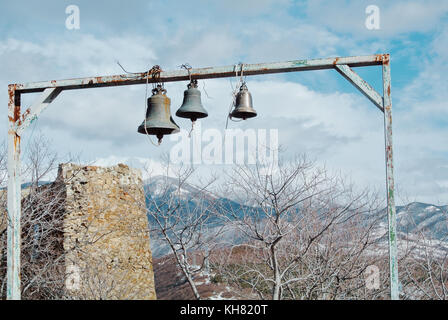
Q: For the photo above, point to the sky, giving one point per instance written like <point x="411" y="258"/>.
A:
<point x="317" y="113"/>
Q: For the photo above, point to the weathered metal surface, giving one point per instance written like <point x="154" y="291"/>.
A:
<point x="202" y="73"/>
<point x="192" y="107"/>
<point x="158" y="120"/>
<point x="243" y="104"/>
<point x="361" y="85"/>
<point x="392" y="219"/>
<point x="14" y="198"/>
<point x="33" y="112"/>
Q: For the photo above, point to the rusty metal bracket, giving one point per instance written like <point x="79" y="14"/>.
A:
<point x="361" y="85"/>
<point x="34" y="111"/>
<point x="51" y="89"/>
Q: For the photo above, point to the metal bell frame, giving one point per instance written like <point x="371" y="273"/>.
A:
<point x="19" y="121"/>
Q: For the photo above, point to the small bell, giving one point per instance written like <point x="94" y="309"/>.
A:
<point x="243" y="105"/>
<point x="158" y="120"/>
<point x="191" y="106"/>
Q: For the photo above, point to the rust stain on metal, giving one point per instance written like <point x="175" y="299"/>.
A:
<point x="118" y="80"/>
<point x="24" y="115"/>
<point x="11" y="94"/>
<point x="16" y="113"/>
<point x="14" y="100"/>
<point x="383" y="58"/>
<point x="144" y="74"/>
<point x="16" y="141"/>
<point x="335" y="61"/>
<point x="16" y="117"/>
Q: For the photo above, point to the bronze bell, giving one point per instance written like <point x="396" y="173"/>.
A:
<point x="243" y="105"/>
<point x="191" y="106"/>
<point x="158" y="120"/>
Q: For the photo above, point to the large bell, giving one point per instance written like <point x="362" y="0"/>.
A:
<point x="243" y="104"/>
<point x="191" y="106"/>
<point x="158" y="120"/>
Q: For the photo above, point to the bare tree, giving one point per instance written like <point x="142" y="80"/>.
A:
<point x="57" y="263"/>
<point x="187" y="224"/>
<point x="306" y="234"/>
<point x="3" y="216"/>
<point x="42" y="271"/>
<point x="424" y="269"/>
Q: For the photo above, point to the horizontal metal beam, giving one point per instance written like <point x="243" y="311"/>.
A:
<point x="361" y="85"/>
<point x="203" y="73"/>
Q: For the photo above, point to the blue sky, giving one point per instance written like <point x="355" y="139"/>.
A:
<point x="320" y="113"/>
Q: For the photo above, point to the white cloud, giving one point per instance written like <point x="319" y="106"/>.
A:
<point x="396" y="17"/>
<point x="148" y="167"/>
<point x="343" y="130"/>
<point x="76" y="56"/>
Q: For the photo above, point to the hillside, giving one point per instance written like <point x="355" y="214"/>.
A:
<point x="172" y="285"/>
<point x="412" y="219"/>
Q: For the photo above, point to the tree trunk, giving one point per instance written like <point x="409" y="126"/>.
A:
<point x="277" y="280"/>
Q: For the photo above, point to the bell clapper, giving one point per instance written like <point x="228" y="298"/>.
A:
<point x="150" y="140"/>
<point x="193" y="121"/>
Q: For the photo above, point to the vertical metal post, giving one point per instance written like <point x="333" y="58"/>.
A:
<point x="14" y="198"/>
<point x="391" y="213"/>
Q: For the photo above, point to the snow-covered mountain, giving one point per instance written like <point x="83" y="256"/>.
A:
<point x="159" y="185"/>
<point x="412" y="219"/>
<point x="159" y="188"/>
<point x="416" y="218"/>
